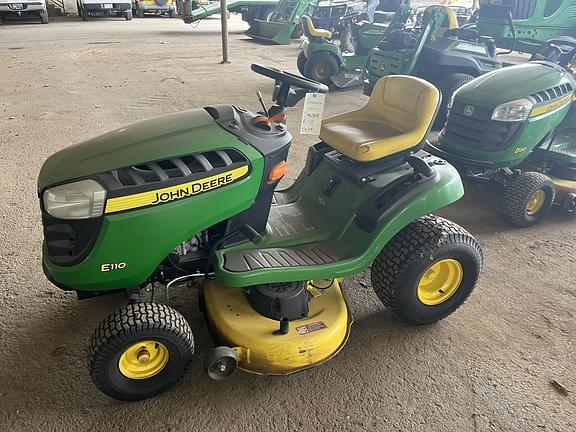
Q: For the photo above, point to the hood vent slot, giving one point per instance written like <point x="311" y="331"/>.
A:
<point x="552" y="93"/>
<point x="173" y="169"/>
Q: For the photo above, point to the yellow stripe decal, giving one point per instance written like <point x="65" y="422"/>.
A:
<point x="173" y="193"/>
<point x="546" y="108"/>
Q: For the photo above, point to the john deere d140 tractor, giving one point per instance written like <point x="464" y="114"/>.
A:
<point x="516" y="127"/>
<point x="192" y="197"/>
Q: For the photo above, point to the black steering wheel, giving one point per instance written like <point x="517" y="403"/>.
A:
<point x="290" y="79"/>
<point x="561" y="50"/>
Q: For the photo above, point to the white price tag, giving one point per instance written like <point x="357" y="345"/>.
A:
<point x="312" y="113"/>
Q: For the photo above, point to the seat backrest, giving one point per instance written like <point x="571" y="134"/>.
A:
<point x="404" y="102"/>
<point x="309" y="30"/>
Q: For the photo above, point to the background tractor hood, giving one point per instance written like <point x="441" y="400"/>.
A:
<point x="510" y="83"/>
<point x="160" y="138"/>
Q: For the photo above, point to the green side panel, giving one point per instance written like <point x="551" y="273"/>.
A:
<point x="160" y="138"/>
<point x="531" y="32"/>
<point x="323" y="45"/>
<point x="142" y="238"/>
<point x="333" y="221"/>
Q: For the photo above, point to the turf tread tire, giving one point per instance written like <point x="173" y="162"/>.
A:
<point x="126" y="326"/>
<point x="301" y="63"/>
<point x="517" y="193"/>
<point x="414" y="244"/>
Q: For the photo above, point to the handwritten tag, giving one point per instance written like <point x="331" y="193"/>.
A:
<point x="312" y="113"/>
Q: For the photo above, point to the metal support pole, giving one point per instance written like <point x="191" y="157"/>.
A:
<point x="224" y="21"/>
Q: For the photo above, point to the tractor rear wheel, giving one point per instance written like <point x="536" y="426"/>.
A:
<point x="527" y="198"/>
<point x="427" y="270"/>
<point x="320" y="67"/>
<point x="448" y="86"/>
<point x="140" y="351"/>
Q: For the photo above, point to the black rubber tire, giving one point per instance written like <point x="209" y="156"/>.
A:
<point x="128" y="15"/>
<point x="84" y="15"/>
<point x="517" y="193"/>
<point x="397" y="270"/>
<point x="171" y="13"/>
<point x="133" y="323"/>
<point x="301" y="63"/>
<point x="347" y="40"/>
<point x="569" y="204"/>
<point x="140" y="13"/>
<point x="447" y="86"/>
<point x="320" y="67"/>
<point x="44" y="17"/>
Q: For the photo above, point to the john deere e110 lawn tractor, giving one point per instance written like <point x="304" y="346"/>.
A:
<point x="517" y="127"/>
<point x="192" y="196"/>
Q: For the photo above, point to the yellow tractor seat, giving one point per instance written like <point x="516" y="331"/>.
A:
<point x="311" y="31"/>
<point x="396" y="119"/>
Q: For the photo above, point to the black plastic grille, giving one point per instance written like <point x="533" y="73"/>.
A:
<point x="166" y="170"/>
<point x="478" y="130"/>
<point x="69" y="241"/>
<point x="552" y="93"/>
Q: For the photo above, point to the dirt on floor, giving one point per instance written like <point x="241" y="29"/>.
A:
<point x="489" y="367"/>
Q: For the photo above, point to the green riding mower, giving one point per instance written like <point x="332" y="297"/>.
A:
<point x="343" y="64"/>
<point x="438" y="51"/>
<point x="516" y="127"/>
<point x="192" y="196"/>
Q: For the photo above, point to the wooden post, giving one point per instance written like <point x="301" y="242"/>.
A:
<point x="224" y="22"/>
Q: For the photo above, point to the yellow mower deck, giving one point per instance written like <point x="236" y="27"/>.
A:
<point x="259" y="348"/>
<point x="563" y="185"/>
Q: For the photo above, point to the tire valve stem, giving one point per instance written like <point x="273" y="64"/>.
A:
<point x="284" y="326"/>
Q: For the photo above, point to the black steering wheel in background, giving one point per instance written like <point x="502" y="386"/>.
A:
<point x="561" y="50"/>
<point x="283" y="96"/>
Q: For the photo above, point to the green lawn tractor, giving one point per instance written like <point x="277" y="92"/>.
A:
<point x="191" y="197"/>
<point x="516" y="127"/>
<point x="282" y="23"/>
<point x="524" y="25"/>
<point x="328" y="62"/>
<point x="438" y="51"/>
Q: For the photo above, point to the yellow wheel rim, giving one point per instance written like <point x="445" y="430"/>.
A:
<point x="536" y="202"/>
<point x="440" y="281"/>
<point x="143" y="360"/>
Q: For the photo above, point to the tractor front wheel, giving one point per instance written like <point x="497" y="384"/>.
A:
<point x="321" y="67"/>
<point x="527" y="198"/>
<point x="140" y="351"/>
<point x="427" y="270"/>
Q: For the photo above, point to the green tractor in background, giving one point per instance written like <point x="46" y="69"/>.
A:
<point x="282" y="23"/>
<point x="438" y="51"/>
<point x="329" y="62"/>
<point x="516" y="127"/>
<point x="524" y="25"/>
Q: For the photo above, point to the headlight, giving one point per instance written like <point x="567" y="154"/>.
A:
<point x="79" y="200"/>
<point x="514" y="111"/>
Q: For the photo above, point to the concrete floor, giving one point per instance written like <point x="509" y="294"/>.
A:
<point x="489" y="367"/>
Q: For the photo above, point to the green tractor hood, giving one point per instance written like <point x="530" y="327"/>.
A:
<point x="511" y="83"/>
<point x="160" y="138"/>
